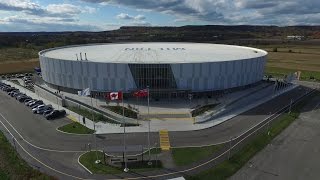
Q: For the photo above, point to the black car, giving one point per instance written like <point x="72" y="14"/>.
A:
<point x="56" y="114"/>
<point x="24" y="99"/>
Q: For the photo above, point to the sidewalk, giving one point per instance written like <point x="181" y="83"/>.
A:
<point x="157" y="124"/>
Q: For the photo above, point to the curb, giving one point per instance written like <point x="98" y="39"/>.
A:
<point x="71" y="133"/>
<point x="84" y="167"/>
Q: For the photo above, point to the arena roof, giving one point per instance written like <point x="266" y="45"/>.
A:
<point x="154" y="53"/>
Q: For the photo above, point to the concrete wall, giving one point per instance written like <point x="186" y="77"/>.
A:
<point x="48" y="95"/>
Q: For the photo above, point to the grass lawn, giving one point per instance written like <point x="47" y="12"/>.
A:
<point x="88" y="114"/>
<point x="185" y="156"/>
<point x="88" y="160"/>
<point x="76" y="128"/>
<point x="12" y="166"/>
<point x="202" y="109"/>
<point x="229" y="167"/>
<point x="118" y="109"/>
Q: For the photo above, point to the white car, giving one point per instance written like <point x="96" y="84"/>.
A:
<point x="40" y="108"/>
<point x="34" y="110"/>
<point x="30" y="102"/>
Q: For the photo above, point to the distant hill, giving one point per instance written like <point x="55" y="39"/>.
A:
<point x="242" y="35"/>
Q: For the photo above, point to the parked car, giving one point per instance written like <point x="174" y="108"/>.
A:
<point x="29" y="102"/>
<point x="13" y="92"/>
<point x="34" y="110"/>
<point x="41" y="110"/>
<point x="36" y="104"/>
<point x="20" y="96"/>
<point x="47" y="111"/>
<point x="24" y="99"/>
<point x="56" y="114"/>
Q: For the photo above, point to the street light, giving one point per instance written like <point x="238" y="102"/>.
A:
<point x="149" y="163"/>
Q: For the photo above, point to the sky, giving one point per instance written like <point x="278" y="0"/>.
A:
<point x="102" y="15"/>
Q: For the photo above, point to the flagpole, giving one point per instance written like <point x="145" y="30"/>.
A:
<point x="149" y="127"/>
<point x="124" y="138"/>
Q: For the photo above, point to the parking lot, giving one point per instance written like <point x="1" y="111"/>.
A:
<point x="36" y="106"/>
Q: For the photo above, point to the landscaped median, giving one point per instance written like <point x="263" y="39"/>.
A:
<point x="97" y="117"/>
<point x="75" y="128"/>
<point x="240" y="158"/>
<point x="88" y="161"/>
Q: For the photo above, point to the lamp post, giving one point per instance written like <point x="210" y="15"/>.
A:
<point x="126" y="169"/>
<point x="149" y="163"/>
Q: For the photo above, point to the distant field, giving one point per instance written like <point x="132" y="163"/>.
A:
<point x="293" y="58"/>
<point x="17" y="54"/>
<point x="15" y="60"/>
<point x="18" y="66"/>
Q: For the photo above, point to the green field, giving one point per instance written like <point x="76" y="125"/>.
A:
<point x="12" y="166"/>
<point x="76" y="128"/>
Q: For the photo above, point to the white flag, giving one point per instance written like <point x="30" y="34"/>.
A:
<point x="85" y="92"/>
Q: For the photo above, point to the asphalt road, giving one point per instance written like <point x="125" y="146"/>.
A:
<point x="60" y="151"/>
<point x="294" y="154"/>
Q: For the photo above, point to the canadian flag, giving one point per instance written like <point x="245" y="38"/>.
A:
<point x="114" y="96"/>
<point x="141" y="93"/>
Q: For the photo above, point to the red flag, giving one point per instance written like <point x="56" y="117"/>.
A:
<point x="141" y="93"/>
<point x="114" y="96"/>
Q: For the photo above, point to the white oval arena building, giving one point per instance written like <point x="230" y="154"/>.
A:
<point x="166" y="67"/>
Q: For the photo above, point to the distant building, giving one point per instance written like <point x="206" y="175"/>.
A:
<point x="295" y="38"/>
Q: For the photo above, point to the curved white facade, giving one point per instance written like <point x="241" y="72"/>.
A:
<point x="132" y="66"/>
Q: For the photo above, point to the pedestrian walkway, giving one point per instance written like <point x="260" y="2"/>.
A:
<point x="156" y="124"/>
<point x="164" y="140"/>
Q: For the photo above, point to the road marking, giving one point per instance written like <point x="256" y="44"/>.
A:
<point x="44" y="149"/>
<point x="72" y="118"/>
<point x="49" y="167"/>
<point x="173" y="119"/>
<point x="164" y="140"/>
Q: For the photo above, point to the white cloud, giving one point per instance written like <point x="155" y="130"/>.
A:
<point x="129" y="17"/>
<point x="53" y="17"/>
<point x="228" y="11"/>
